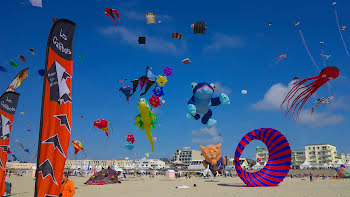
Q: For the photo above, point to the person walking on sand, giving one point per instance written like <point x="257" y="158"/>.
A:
<point x="67" y="187"/>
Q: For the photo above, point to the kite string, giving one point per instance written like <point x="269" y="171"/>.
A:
<point x="341" y="35"/>
<point x="308" y="51"/>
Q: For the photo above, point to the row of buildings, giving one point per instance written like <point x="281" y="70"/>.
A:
<point x="314" y="154"/>
<point x="123" y="163"/>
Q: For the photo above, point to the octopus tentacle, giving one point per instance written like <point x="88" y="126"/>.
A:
<point x="296" y="88"/>
<point x="302" y="101"/>
<point x="311" y="84"/>
<point x="300" y="96"/>
<point x="302" y="105"/>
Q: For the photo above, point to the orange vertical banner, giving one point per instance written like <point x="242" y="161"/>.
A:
<point x="8" y="105"/>
<point x="56" y="110"/>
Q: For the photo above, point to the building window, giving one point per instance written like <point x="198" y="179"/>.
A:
<point x="309" y="148"/>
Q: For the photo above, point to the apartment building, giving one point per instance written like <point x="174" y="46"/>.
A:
<point x="298" y="157"/>
<point x="318" y="154"/>
<point x="262" y="153"/>
<point x="16" y="165"/>
<point x="185" y="156"/>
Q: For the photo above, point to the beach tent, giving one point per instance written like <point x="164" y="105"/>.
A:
<point x="325" y="166"/>
<point x="170" y="174"/>
<point x="207" y="172"/>
<point x="106" y="176"/>
<point x="244" y="165"/>
<point x="257" y="166"/>
<point x="305" y="165"/>
<point x="338" y="164"/>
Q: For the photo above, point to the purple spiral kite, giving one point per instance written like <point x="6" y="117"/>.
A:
<point x="278" y="164"/>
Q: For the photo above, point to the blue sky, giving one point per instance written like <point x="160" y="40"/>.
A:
<point x="236" y="53"/>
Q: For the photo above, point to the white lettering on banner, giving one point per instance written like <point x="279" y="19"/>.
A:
<point x="60" y="46"/>
<point x="8" y="100"/>
<point x="63" y="35"/>
<point x="7" y="107"/>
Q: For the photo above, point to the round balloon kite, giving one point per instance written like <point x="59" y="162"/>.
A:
<point x="278" y="164"/>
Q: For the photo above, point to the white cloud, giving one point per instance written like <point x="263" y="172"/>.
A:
<point x="134" y="15"/>
<point x="205" y="132"/>
<point x="154" y="44"/>
<point x="319" y="119"/>
<point x="273" y="97"/>
<point x="219" y="88"/>
<point x="220" y="41"/>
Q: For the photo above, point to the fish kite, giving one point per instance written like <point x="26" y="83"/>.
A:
<point x="321" y="101"/>
<point x="168" y="71"/>
<point x="297" y="23"/>
<point x="154" y="139"/>
<point x="102" y="124"/>
<point x="145" y="120"/>
<point x="112" y="14"/>
<point x="343" y="28"/>
<point x="327" y="74"/>
<point x="77" y="146"/>
<point x="130" y="138"/>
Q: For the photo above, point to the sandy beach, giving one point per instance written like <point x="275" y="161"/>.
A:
<point x="162" y="187"/>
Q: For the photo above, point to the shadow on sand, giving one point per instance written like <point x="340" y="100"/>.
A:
<point x="211" y="181"/>
<point x="233" y="185"/>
